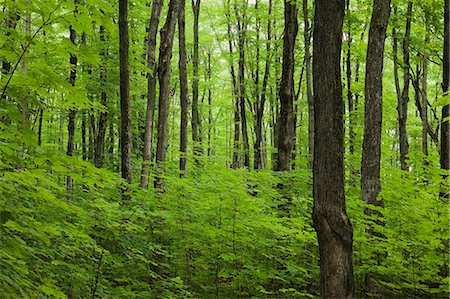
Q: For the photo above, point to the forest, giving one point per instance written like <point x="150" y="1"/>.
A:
<point x="224" y="149"/>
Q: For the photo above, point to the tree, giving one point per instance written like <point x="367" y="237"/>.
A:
<point x="309" y="95"/>
<point x="445" y="127"/>
<point x="125" y="107"/>
<point x="330" y="220"/>
<point x="373" y="89"/>
<point x="196" y="119"/>
<point x="285" y="122"/>
<point x="101" y="132"/>
<point x="151" y="90"/>
<point x="72" y="111"/>
<point x="241" y="17"/>
<point x="184" y="96"/>
<point x="165" y="55"/>
<point x="404" y="97"/>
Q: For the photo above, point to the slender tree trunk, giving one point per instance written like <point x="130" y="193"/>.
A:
<point x="333" y="227"/>
<point x="309" y="95"/>
<point x="242" y="28"/>
<point x="165" y="55"/>
<point x="72" y="111"/>
<point x="445" y="127"/>
<point x="92" y="134"/>
<point x="151" y="90"/>
<point x="184" y="96"/>
<point x="351" y="131"/>
<point x="371" y="153"/>
<point x="41" y="117"/>
<point x="285" y="122"/>
<point x="210" y="120"/>
<point x="101" y="132"/>
<point x="404" y="98"/>
<point x="125" y="109"/>
<point x="83" y="135"/>
<point x="196" y="119"/>
<point x="424" y="98"/>
<point x="235" y="163"/>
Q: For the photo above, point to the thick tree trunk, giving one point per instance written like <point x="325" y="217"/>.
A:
<point x="309" y="95"/>
<point x="101" y="132"/>
<point x="151" y="90"/>
<point x="445" y="127"/>
<point x="165" y="55"/>
<point x="285" y="122"/>
<point x="333" y="227"/>
<point x="184" y="97"/>
<point x="371" y="153"/>
<point x="125" y="109"/>
<point x="404" y="98"/>
<point x="72" y="111"/>
<point x="196" y="119"/>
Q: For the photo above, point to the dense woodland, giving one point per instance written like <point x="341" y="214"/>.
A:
<point x="224" y="149"/>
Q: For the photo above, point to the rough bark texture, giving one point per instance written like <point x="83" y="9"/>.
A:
<point x="285" y="121"/>
<point x="445" y="127"/>
<point x="72" y="111"/>
<point x="165" y="55"/>
<point x="151" y="90"/>
<point x="371" y="153"/>
<point x="309" y="95"/>
<point x="125" y="109"/>
<point x="404" y="98"/>
<point x="184" y="97"/>
<point x="330" y="219"/>
<point x="196" y="120"/>
<point x="101" y="132"/>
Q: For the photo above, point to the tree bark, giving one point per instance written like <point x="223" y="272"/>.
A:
<point x="309" y="95"/>
<point x="330" y="220"/>
<point x="101" y="132"/>
<point x="285" y="121"/>
<point x="371" y="152"/>
<point x="242" y="28"/>
<point x="165" y="55"/>
<point x="151" y="90"/>
<point x="72" y="111"/>
<point x="196" y="119"/>
<point x="184" y="96"/>
<point x="41" y="117"/>
<point x="445" y="128"/>
<point x="404" y="98"/>
<point x="125" y="109"/>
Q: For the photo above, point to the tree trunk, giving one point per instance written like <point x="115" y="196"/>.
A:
<point x="165" y="55"/>
<point x="235" y="163"/>
<point x="333" y="227"/>
<point x="424" y="98"/>
<point x="309" y="95"/>
<point x="83" y="136"/>
<point x="210" y="120"/>
<point x="371" y="152"/>
<point x="101" y="131"/>
<point x="125" y="109"/>
<point x="404" y="98"/>
<point x="72" y="111"/>
<point x="285" y="122"/>
<point x="242" y="28"/>
<point x="151" y="90"/>
<point x="183" y="91"/>
<point x="445" y="128"/>
<point x="41" y="117"/>
<point x="196" y="119"/>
